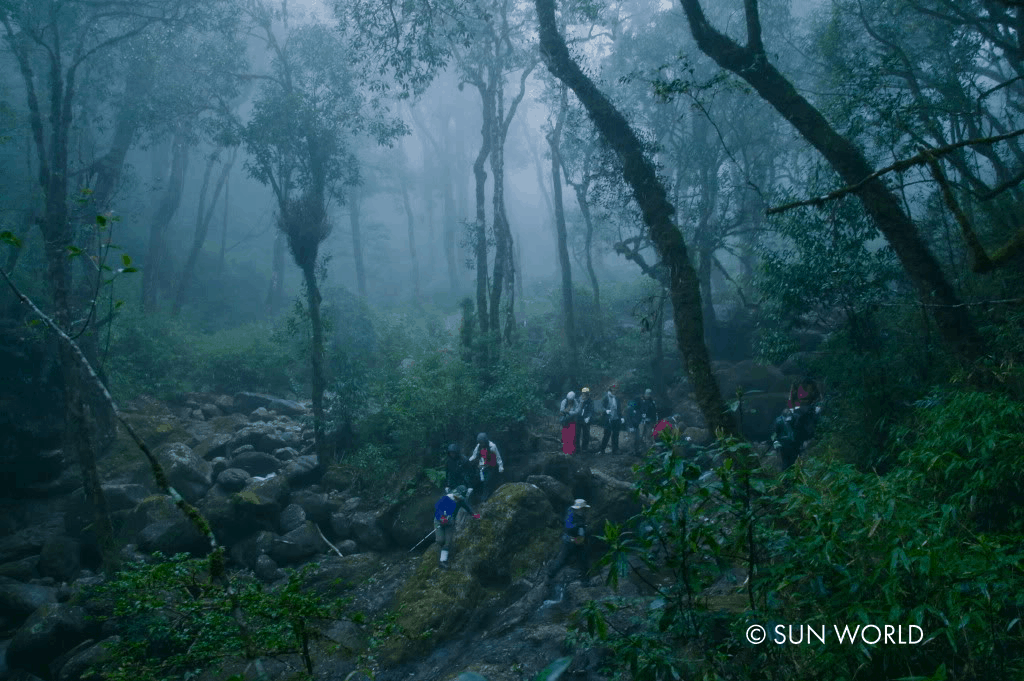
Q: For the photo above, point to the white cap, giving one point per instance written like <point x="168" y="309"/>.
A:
<point x="580" y="503"/>
<point x="571" y="396"/>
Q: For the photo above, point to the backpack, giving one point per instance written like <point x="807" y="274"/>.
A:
<point x="487" y="456"/>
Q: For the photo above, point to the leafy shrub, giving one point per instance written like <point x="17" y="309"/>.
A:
<point x="173" y="621"/>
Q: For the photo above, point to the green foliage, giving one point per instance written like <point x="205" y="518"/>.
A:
<point x="174" y="621"/>
<point x="162" y="356"/>
<point x="933" y="543"/>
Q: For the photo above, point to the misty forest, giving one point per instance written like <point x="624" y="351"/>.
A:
<point x="510" y="340"/>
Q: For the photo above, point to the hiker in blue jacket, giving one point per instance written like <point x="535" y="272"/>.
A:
<point x="574" y="541"/>
<point x="445" y="511"/>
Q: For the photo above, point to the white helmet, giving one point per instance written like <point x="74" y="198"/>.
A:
<point x="571" y="396"/>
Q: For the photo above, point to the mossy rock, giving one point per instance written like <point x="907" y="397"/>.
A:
<point x="124" y="460"/>
<point x="517" y="534"/>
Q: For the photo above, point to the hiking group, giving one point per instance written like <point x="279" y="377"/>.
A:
<point x="640" y="418"/>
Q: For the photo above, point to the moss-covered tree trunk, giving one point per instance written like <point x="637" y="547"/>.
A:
<point x="651" y="196"/>
<point x="750" y="62"/>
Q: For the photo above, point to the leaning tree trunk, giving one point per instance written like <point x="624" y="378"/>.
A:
<point x="751" y="63"/>
<point x="554" y="142"/>
<point x="650" y="195"/>
<point x="157" y="250"/>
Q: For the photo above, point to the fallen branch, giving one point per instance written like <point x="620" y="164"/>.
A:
<point x="320" y="532"/>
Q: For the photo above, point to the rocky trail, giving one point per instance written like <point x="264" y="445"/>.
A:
<point x="246" y="462"/>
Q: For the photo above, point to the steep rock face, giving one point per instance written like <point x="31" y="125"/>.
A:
<point x="517" y="534"/>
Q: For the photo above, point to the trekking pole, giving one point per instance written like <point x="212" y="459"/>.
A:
<point x="421" y="541"/>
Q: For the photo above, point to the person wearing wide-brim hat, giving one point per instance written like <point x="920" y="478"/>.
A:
<point x="574" y="540"/>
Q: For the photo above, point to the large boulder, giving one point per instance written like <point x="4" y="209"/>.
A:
<point x="233" y="479"/>
<point x="305" y="470"/>
<point x="20" y="600"/>
<point x="610" y="499"/>
<point x="190" y="475"/>
<point x="264" y="437"/>
<point x="317" y="505"/>
<point x="246" y="402"/>
<point x="300" y="544"/>
<point x="292" y="517"/>
<point x="256" y="463"/>
<point x="411" y="520"/>
<point x="750" y="375"/>
<point x="368" y="530"/>
<point x="517" y="534"/>
<point x="49" y="632"/>
<point x="60" y="558"/>
<point x="263" y="500"/>
<point x="213" y="446"/>
<point x="557" y="493"/>
<point x="87" y="657"/>
<point x="166" y="529"/>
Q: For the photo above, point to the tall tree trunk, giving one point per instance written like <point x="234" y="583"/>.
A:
<point x="480" y="232"/>
<point x="204" y="215"/>
<point x="168" y="206"/>
<point x="224" y="227"/>
<point x="581" y="191"/>
<point x="658" y="361"/>
<point x="449" y="215"/>
<point x="275" y="294"/>
<point x="500" y="228"/>
<point x="564" y="266"/>
<point x="650" y="195"/>
<point x="319" y="379"/>
<point x="751" y="63"/>
<point x="357" y="242"/>
<point x="412" y="241"/>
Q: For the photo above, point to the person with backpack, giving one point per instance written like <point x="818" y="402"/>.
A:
<point x="445" y="511"/>
<point x="786" y="438"/>
<point x="583" y="421"/>
<point x="456" y="469"/>
<point x="574" y="541"/>
<point x="568" y="414"/>
<point x="646" y="417"/>
<point x="490" y="464"/>
<point x="803" y="400"/>
<point x="614" y="419"/>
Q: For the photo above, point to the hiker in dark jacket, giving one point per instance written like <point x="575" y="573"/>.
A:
<point x="574" y="540"/>
<point x="583" y="424"/>
<point x="445" y="511"/>
<point x="786" y="436"/>
<point x="614" y="418"/>
<point x="456" y="468"/>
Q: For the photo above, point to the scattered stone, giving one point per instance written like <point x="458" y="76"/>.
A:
<point x="60" y="558"/>
<point x="261" y="414"/>
<point x="210" y="411"/>
<point x="213" y="446"/>
<point x="219" y="465"/>
<point x="233" y="479"/>
<point x="302" y="471"/>
<point x="266" y="569"/>
<point x="242" y="450"/>
<point x="20" y="600"/>
<point x="257" y="464"/>
<point x="49" y="632"/>
<point x="225" y="403"/>
<point x="198" y="415"/>
<point x="191" y="475"/>
<point x="300" y="544"/>
<point x="286" y="453"/>
<point x="246" y="402"/>
<point x="347" y="547"/>
<point x="292" y="517"/>
<point x="86" y="657"/>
